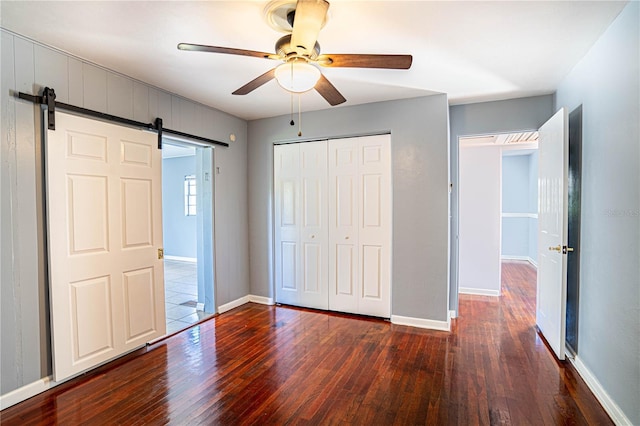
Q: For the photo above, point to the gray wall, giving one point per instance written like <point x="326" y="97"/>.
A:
<point x="419" y="149"/>
<point x="487" y="118"/>
<point x="178" y="230"/>
<point x="606" y="83"/>
<point x="519" y="195"/>
<point x="533" y="206"/>
<point x="27" y="67"/>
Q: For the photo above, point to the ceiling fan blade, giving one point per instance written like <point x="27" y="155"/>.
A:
<point x="256" y="82"/>
<point x="400" y="62"/>
<point x="308" y="20"/>
<point x="226" y="50"/>
<point x="329" y="92"/>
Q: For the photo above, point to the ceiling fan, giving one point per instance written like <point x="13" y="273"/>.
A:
<point x="300" y="50"/>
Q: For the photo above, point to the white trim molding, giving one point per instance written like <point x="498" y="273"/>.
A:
<point x="233" y="304"/>
<point x="609" y="405"/>
<point x="245" y="299"/>
<point x="181" y="258"/>
<point x="527" y="215"/>
<point x="261" y="300"/>
<point x="523" y="258"/>
<point x="26" y="392"/>
<point x="479" y="291"/>
<point x="423" y="323"/>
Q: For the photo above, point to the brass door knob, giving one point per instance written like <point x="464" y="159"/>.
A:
<point x="561" y="249"/>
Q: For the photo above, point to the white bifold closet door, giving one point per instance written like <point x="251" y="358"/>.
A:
<point x="360" y="225"/>
<point x="333" y="225"/>
<point x="104" y="211"/>
<point x="300" y="176"/>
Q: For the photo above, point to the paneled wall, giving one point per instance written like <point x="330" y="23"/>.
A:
<point x="28" y="67"/>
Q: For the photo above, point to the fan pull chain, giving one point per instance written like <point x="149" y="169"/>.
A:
<point x="299" y="116"/>
<point x="291" y="115"/>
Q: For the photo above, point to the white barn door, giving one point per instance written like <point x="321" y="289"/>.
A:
<point x="104" y="212"/>
<point x="300" y="180"/>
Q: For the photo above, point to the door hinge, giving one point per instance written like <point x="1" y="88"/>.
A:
<point x="160" y="253"/>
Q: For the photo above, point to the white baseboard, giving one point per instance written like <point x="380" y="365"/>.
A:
<point x="522" y="258"/>
<point x="245" y="299"/>
<point x="479" y="291"/>
<point x="233" y="304"/>
<point x="609" y="405"/>
<point x="423" y="323"/>
<point x="261" y="300"/>
<point x="181" y="258"/>
<point x="26" y="392"/>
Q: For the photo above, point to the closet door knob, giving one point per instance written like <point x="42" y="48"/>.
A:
<point x="313" y="236"/>
<point x="346" y="238"/>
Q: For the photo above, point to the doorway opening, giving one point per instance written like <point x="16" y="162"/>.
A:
<point x="573" y="228"/>
<point x="187" y="207"/>
<point x="498" y="204"/>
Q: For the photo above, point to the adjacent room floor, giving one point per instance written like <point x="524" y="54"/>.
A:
<point x="181" y="295"/>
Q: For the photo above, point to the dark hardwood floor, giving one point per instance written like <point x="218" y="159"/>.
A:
<point x="277" y="365"/>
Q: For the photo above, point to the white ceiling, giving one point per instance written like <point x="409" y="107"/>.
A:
<point x="473" y="51"/>
<point x="170" y="150"/>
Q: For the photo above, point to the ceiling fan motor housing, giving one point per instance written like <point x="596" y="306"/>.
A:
<point x="284" y="48"/>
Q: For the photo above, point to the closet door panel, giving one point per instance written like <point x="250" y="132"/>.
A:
<point x="287" y="223"/>
<point x="300" y="176"/>
<point x="313" y="230"/>
<point x="374" y="233"/>
<point x="343" y="225"/>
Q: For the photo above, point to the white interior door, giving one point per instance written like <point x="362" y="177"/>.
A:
<point x="104" y="211"/>
<point x="552" y="231"/>
<point x="360" y="225"/>
<point x="300" y="176"/>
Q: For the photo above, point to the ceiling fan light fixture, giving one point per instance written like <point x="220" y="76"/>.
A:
<point x="297" y="76"/>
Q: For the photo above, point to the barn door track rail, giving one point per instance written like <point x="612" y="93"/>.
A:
<point x="48" y="100"/>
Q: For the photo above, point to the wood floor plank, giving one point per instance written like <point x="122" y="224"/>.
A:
<point x="281" y="365"/>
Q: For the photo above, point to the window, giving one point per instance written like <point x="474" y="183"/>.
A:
<point x="190" y="195"/>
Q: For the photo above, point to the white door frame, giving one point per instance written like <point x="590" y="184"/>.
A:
<point x="205" y="233"/>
